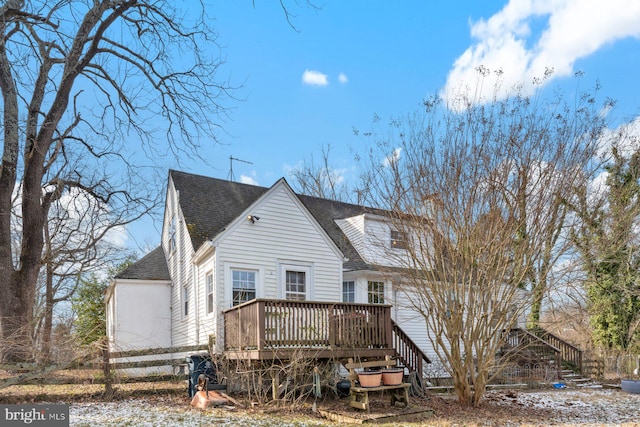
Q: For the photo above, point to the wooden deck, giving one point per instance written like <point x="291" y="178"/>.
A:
<point x="264" y="329"/>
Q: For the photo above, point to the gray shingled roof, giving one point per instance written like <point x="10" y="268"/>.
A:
<point x="152" y="266"/>
<point x="326" y="212"/>
<point x="209" y="205"/>
<point x="201" y="197"/>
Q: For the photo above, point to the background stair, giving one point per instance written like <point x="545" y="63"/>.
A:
<point x="571" y="378"/>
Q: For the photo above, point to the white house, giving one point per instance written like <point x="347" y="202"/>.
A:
<point x="224" y="243"/>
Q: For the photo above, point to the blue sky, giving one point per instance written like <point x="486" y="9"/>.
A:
<point x="309" y="87"/>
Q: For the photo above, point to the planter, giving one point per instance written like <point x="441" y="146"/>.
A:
<point x="370" y="378"/>
<point x="392" y="376"/>
<point x="630" y="386"/>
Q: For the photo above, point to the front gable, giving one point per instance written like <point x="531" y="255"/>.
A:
<point x="280" y="204"/>
<point x="273" y="237"/>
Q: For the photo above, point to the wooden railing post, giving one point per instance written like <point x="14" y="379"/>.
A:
<point x="580" y="367"/>
<point x="388" y="332"/>
<point x="260" y="324"/>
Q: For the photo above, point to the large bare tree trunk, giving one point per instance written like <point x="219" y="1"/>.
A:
<point x="16" y="319"/>
<point x="51" y="150"/>
<point x="13" y="304"/>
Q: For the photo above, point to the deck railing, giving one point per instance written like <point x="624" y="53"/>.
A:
<point x="517" y="340"/>
<point x="267" y="324"/>
<point x="408" y="351"/>
<point x="568" y="353"/>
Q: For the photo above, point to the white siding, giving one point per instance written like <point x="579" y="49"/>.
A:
<point x="138" y="315"/>
<point x="412" y="322"/>
<point x="353" y="228"/>
<point x="206" y="322"/>
<point x="284" y="234"/>
<point x="184" y="329"/>
<point x="370" y="235"/>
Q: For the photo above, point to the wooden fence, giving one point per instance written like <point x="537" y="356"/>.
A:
<point x="115" y="367"/>
<point x="613" y="367"/>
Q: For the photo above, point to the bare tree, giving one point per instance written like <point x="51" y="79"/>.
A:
<point x="87" y="88"/>
<point x="320" y="178"/>
<point x="475" y="188"/>
<point x="80" y="239"/>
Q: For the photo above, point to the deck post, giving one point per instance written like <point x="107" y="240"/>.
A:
<point x="260" y="327"/>
<point x="388" y="328"/>
<point x="275" y="385"/>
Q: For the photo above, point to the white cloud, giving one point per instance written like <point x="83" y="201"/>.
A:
<point x="342" y="78"/>
<point x="248" y="180"/>
<point x="314" y="78"/>
<point x="625" y="138"/>
<point x="572" y="29"/>
<point x="392" y="158"/>
<point x="288" y="169"/>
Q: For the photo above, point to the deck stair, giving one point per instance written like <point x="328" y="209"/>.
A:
<point x="408" y="353"/>
<point x="572" y="378"/>
<point x="524" y="347"/>
<point x="546" y="346"/>
<point x="570" y="356"/>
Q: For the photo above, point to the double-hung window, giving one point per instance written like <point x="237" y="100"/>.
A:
<point x="398" y="240"/>
<point x="209" y="284"/>
<point x="243" y="285"/>
<point x="295" y="281"/>
<point x="375" y="292"/>
<point x="296" y="285"/>
<point x="185" y="299"/>
<point x="349" y="291"/>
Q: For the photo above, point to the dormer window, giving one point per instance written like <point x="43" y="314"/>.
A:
<point x="398" y="240"/>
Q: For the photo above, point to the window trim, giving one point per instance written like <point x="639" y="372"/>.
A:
<point x="351" y="292"/>
<point x="233" y="289"/>
<point x="305" y="267"/>
<point x="399" y="240"/>
<point x="228" y="279"/>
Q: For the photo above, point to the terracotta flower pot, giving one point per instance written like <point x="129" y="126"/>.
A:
<point x="370" y="378"/>
<point x="392" y="376"/>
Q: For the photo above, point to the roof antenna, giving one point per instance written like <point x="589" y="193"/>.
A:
<point x="231" y="177"/>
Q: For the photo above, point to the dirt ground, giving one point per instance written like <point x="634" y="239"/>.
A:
<point x="569" y="407"/>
